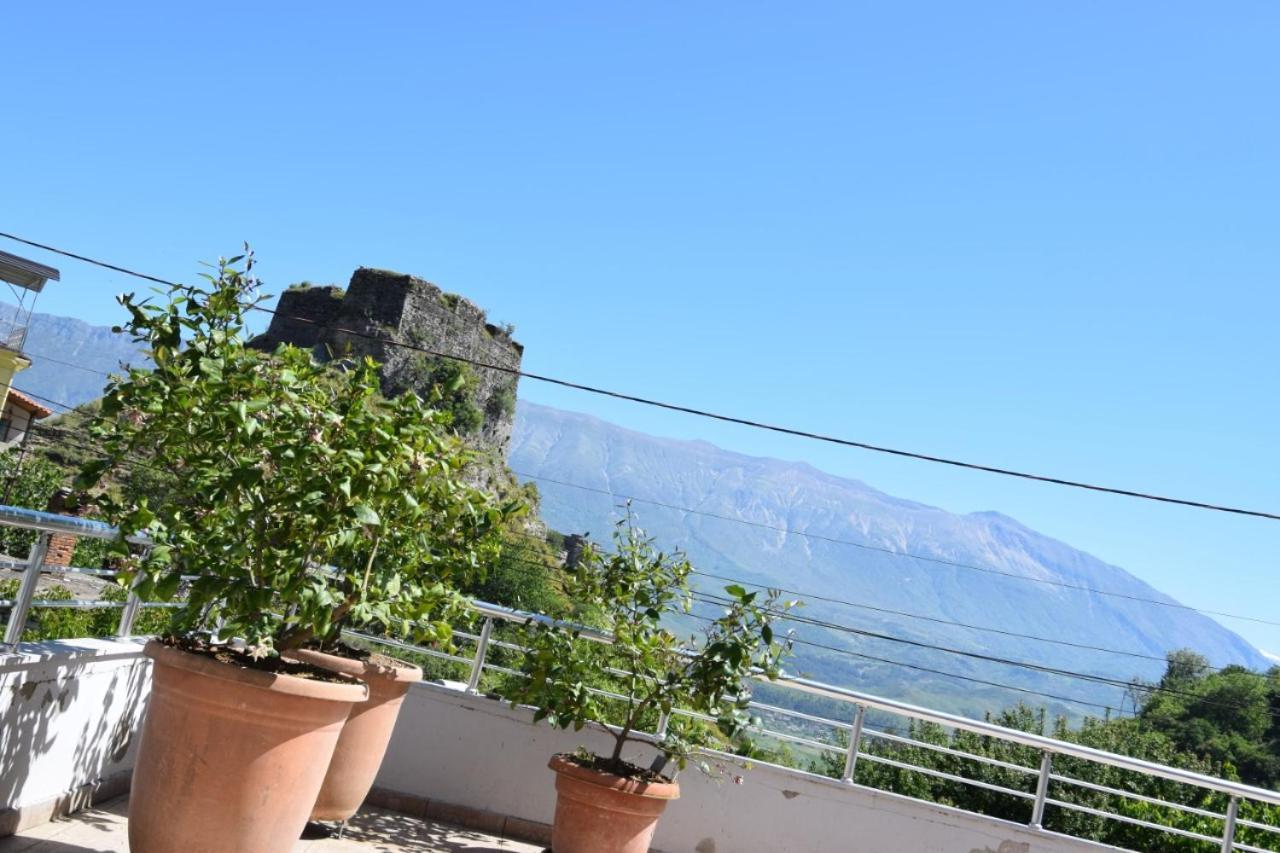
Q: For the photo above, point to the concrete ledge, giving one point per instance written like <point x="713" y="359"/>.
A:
<point x="69" y="715"/>
<point x="15" y="819"/>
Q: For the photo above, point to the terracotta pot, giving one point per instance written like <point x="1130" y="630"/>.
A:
<point x="365" y="735"/>
<point x="603" y="813"/>
<point x="231" y="759"/>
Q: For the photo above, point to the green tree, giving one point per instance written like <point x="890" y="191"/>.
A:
<point x="283" y="467"/>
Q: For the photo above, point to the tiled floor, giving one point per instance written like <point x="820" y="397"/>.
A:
<point x="102" y="830"/>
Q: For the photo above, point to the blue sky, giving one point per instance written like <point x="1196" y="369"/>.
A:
<point x="1034" y="235"/>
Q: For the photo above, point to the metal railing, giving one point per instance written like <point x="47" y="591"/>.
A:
<point x="856" y="728"/>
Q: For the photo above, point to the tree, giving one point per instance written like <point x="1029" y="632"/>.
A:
<point x="303" y="500"/>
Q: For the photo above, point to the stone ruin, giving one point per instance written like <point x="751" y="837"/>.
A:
<point x="335" y="323"/>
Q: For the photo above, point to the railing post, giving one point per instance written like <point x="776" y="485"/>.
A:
<point x="1229" y="831"/>
<point x="664" y="720"/>
<point x="1042" y="789"/>
<point x="482" y="648"/>
<point x="855" y="742"/>
<point x="130" y="610"/>
<point x="26" y="591"/>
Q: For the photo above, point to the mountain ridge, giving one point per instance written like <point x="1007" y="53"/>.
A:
<point x="840" y="537"/>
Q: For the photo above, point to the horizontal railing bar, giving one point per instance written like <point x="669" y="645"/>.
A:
<point x="816" y="744"/>
<point x="1249" y="848"/>
<point x="49" y="522"/>
<point x="1034" y="741"/>
<point x="1062" y="804"/>
<point x="800" y="715"/>
<point x="85" y="604"/>
<point x="21" y="566"/>
<point x="1155" y="801"/>
<point x="408" y="647"/>
<point x="939" y="774"/>
<point x="880" y="734"/>
<point x="1255" y="825"/>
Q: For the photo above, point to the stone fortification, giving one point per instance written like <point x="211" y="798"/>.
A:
<point x="382" y="304"/>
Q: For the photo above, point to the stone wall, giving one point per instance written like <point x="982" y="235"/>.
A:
<point x="385" y="304"/>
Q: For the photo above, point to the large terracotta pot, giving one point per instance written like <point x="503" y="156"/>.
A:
<point x="602" y="813"/>
<point x="365" y="735"/>
<point x="231" y="759"/>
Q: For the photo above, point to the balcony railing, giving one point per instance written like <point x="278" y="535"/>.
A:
<point x="859" y="734"/>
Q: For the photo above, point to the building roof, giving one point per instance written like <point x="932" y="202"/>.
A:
<point x="24" y="273"/>
<point x="36" y="410"/>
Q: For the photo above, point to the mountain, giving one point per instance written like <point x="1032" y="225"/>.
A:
<point x="853" y="547"/>
<point x="69" y="356"/>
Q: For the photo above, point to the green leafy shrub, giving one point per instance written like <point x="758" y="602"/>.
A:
<point x="26" y="480"/>
<point x="635" y="589"/>
<point x="282" y="467"/>
<point x="451" y="386"/>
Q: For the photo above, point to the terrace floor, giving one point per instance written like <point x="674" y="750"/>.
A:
<point x="102" y="829"/>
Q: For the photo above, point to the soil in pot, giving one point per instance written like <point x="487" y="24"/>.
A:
<point x="601" y="812"/>
<point x="367" y="731"/>
<point x="232" y="756"/>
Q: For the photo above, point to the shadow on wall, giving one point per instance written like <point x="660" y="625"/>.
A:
<point x="65" y="723"/>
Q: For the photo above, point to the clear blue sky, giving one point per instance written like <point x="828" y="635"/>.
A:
<point x="1035" y="235"/>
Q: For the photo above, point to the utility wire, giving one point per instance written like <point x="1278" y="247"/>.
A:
<point x="720" y="601"/>
<point x="704" y="413"/>
<point x="807" y="596"/>
<point x="956" y="675"/>
<point x="1048" y="670"/>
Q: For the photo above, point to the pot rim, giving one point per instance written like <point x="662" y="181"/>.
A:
<point x="401" y="671"/>
<point x="354" y="691"/>
<point x="563" y="764"/>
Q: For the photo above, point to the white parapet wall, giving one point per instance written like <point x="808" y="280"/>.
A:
<point x="455" y="749"/>
<point x="69" y="714"/>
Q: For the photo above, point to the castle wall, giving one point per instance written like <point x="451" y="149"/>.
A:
<point x="386" y="304"/>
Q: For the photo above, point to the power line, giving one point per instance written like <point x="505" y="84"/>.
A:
<point x="816" y="597"/>
<point x="866" y="547"/>
<point x="77" y="366"/>
<point x="528" y="566"/>
<point x="956" y="675"/>
<point x="1048" y="670"/>
<point x="704" y="413"/>
<point x="720" y="601"/>
<point x="812" y="596"/>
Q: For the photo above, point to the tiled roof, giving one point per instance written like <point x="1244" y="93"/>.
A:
<point x="37" y="410"/>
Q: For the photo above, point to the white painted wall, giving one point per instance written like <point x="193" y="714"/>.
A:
<point x="69" y="711"/>
<point x="477" y="752"/>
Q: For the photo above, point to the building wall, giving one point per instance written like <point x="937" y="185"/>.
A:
<point x="17" y="421"/>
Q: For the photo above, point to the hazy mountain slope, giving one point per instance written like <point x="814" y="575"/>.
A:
<point x="579" y="449"/>
<point x="75" y="342"/>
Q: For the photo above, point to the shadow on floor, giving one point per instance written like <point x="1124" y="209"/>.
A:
<point x="49" y="846"/>
<point x="387" y="832"/>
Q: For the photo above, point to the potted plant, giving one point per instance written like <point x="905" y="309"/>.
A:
<point x="605" y="803"/>
<point x="435" y="532"/>
<point x="282" y="467"/>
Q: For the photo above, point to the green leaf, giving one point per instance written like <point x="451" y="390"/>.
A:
<point x="365" y="514"/>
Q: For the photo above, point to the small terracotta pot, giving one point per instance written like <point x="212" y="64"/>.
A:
<point x="603" y="813"/>
<point x="231" y="759"/>
<point x="365" y="735"/>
